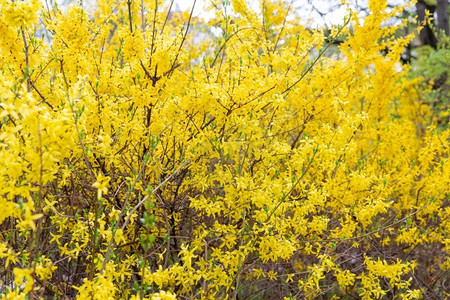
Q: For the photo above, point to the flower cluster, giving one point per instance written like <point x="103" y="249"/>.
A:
<point x="150" y="154"/>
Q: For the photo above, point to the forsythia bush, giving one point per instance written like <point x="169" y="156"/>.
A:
<point x="147" y="154"/>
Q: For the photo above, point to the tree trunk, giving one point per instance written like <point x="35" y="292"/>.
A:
<point x="442" y="15"/>
<point x="427" y="36"/>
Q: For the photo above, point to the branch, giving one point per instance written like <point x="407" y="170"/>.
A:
<point x="111" y="241"/>
<point x="155" y="78"/>
<point x="317" y="58"/>
<point x="27" y="65"/>
<point x="129" y="15"/>
<point x="183" y="40"/>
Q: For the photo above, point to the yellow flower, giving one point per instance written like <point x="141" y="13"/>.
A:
<point x="24" y="276"/>
<point x="345" y="278"/>
<point x="163" y="295"/>
<point x="102" y="185"/>
<point x="21" y="13"/>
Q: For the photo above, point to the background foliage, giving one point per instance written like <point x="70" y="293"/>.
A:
<point x="145" y="155"/>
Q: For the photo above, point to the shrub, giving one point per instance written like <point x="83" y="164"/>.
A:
<point x="143" y="156"/>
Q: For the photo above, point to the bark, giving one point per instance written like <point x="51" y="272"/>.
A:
<point x="427" y="36"/>
<point x="442" y="15"/>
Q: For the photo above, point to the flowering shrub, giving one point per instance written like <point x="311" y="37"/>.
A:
<point x="143" y="157"/>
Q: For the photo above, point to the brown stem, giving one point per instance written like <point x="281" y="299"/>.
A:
<point x="175" y="61"/>
<point x="129" y="15"/>
<point x="27" y="65"/>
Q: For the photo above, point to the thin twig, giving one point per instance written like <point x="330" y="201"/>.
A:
<point x="27" y="64"/>
<point x="317" y="59"/>
<point x="175" y="61"/>
<point x="41" y="96"/>
<point x="129" y="15"/>
<point x="167" y="17"/>
<point x="156" y="189"/>
<point x="111" y="241"/>
<point x="283" y="26"/>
